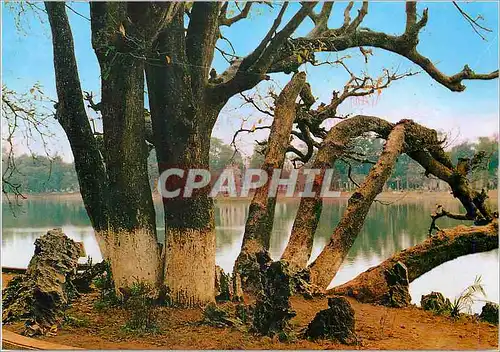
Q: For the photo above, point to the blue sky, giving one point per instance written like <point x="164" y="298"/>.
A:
<point x="447" y="40"/>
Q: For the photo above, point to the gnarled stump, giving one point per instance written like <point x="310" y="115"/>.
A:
<point x="489" y="313"/>
<point x="273" y="310"/>
<point x="397" y="281"/>
<point x="337" y="322"/>
<point x="371" y="286"/>
<point x="41" y="295"/>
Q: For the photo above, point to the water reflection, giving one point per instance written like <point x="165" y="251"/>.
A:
<point x="387" y="229"/>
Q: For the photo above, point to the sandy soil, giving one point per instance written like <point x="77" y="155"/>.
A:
<point x="378" y="327"/>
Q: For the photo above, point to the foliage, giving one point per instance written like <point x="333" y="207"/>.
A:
<point x="104" y="283"/>
<point x="75" y="321"/>
<point x="222" y="155"/>
<point x="467" y="298"/>
<point x="141" y="305"/>
<point x="42" y="174"/>
<point x="219" y="316"/>
<point x="408" y="174"/>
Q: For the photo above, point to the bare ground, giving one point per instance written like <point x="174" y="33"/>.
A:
<point x="378" y="327"/>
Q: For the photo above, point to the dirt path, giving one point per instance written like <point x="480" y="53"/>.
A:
<point x="378" y="327"/>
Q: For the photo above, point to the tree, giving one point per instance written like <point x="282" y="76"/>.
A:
<point x="173" y="44"/>
<point x="222" y="155"/>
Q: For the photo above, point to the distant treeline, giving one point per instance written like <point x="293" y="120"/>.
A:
<point x="41" y="174"/>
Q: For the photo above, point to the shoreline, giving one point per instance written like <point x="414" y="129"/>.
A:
<point x="394" y="196"/>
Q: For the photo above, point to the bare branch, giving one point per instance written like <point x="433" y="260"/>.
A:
<point x="321" y="20"/>
<point x="257" y="107"/>
<point x="473" y="22"/>
<point x="225" y="21"/>
<point x="441" y="212"/>
<point x="404" y="45"/>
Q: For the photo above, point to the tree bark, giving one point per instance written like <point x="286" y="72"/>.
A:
<point x="446" y="245"/>
<point x="183" y="116"/>
<point x="298" y="250"/>
<point x="129" y="241"/>
<point x="260" y="219"/>
<point x="70" y="113"/>
<point x="326" y="266"/>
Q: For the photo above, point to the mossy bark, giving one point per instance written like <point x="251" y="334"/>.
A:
<point x="183" y="114"/>
<point x="129" y="240"/>
<point x="71" y="115"/>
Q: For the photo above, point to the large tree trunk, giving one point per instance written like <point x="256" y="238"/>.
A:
<point x="298" y="250"/>
<point x="326" y="266"/>
<point x="129" y="241"/>
<point x="260" y="219"/>
<point x="446" y="245"/>
<point x="70" y="113"/>
<point x="183" y="116"/>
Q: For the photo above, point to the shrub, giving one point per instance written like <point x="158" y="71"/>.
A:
<point x="467" y="298"/>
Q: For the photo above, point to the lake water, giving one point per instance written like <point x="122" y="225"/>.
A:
<point x="387" y="229"/>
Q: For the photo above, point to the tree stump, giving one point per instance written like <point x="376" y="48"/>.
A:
<point x="337" y="322"/>
<point x="41" y="295"/>
<point x="435" y="302"/>
<point x="397" y="281"/>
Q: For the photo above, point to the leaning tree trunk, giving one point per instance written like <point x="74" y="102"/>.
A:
<point x="183" y="115"/>
<point x="326" y="266"/>
<point x="259" y="223"/>
<point x="298" y="249"/>
<point x="446" y="245"/>
<point x="129" y="241"/>
<point x="71" y="115"/>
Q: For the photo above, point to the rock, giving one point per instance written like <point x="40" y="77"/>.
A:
<point x="83" y="280"/>
<point x="41" y="295"/>
<point x="273" y="311"/>
<point x="489" y="313"/>
<point x="337" y="322"/>
<point x="398" y="283"/>
<point x="435" y="302"/>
